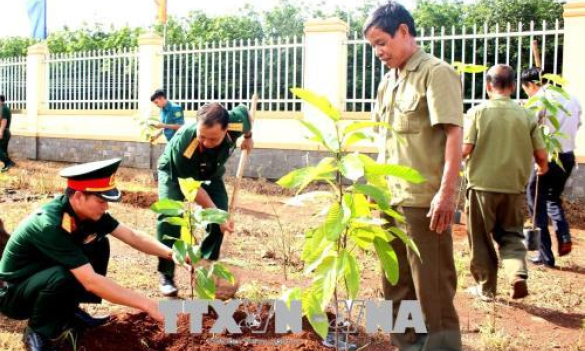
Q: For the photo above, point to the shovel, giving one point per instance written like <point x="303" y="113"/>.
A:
<point x="532" y="234"/>
<point x="232" y="207"/>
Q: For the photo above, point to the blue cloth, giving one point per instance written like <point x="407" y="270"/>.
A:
<point x="550" y="205"/>
<point x="37" y="14"/>
<point x="171" y="114"/>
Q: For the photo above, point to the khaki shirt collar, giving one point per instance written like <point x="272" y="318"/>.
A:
<point x="500" y="97"/>
<point x="415" y="60"/>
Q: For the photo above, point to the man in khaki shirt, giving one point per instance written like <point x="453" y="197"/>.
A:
<point x="421" y="99"/>
<point x="500" y="139"/>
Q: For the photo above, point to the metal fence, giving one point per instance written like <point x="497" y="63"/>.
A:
<point x="93" y="80"/>
<point x="13" y="81"/>
<point x="478" y="45"/>
<point x="230" y="72"/>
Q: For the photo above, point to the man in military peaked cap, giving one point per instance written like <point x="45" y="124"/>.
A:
<point x="200" y="151"/>
<point x="58" y="257"/>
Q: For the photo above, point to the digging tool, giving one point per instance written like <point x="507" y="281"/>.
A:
<point x="532" y="234"/>
<point x="243" y="160"/>
<point x="231" y="210"/>
<point x="536" y="53"/>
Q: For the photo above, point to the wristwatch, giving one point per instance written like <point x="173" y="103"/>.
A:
<point x="248" y="136"/>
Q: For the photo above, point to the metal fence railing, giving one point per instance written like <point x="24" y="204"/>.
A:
<point x="479" y="45"/>
<point x="13" y="81"/>
<point x="93" y="80"/>
<point x="230" y="72"/>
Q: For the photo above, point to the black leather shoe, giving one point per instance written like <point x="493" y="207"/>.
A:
<point x="84" y="320"/>
<point x="36" y="342"/>
<point x="167" y="286"/>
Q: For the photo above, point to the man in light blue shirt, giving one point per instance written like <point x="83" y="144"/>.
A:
<point x="172" y="116"/>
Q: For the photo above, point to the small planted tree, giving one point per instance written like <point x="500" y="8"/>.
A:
<point x="350" y="223"/>
<point x="193" y="220"/>
<point x="147" y="131"/>
<point x="546" y="106"/>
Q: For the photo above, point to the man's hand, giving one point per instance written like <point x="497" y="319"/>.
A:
<point x="441" y="212"/>
<point x="152" y="309"/>
<point x="542" y="170"/>
<point x="157" y="125"/>
<point x="227" y="227"/>
<point x="248" y="145"/>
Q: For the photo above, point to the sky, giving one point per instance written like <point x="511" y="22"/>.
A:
<point x="135" y="13"/>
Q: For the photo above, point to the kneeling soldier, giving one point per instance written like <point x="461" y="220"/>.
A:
<point x="57" y="258"/>
<point x="500" y="139"/>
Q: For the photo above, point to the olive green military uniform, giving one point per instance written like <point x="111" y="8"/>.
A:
<point x="185" y="157"/>
<point x="416" y="102"/>
<point x="505" y="137"/>
<point x="7" y="115"/>
<point x="37" y="261"/>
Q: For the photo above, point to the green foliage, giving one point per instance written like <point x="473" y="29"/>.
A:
<point x="193" y="220"/>
<point x="461" y="68"/>
<point x="349" y="225"/>
<point x="547" y="106"/>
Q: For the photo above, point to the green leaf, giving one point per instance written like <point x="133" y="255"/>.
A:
<point x="190" y="187"/>
<point x="381" y="197"/>
<point x="291" y="295"/>
<point x="327" y="271"/>
<point x="194" y="254"/>
<point x="320" y="102"/>
<point x="562" y="108"/>
<point x="394" y="214"/>
<point x="312" y="310"/>
<point x="186" y="235"/>
<point x="300" y="200"/>
<point x="532" y="101"/>
<point x="295" y="178"/>
<point x="554" y="121"/>
<point x="302" y="177"/>
<point x="466" y="68"/>
<point x="405" y="239"/>
<point x="214" y="215"/>
<point x="555" y="78"/>
<point x="352" y="127"/>
<point x="180" y="251"/>
<point x="333" y="226"/>
<point x="406" y="173"/>
<point x="388" y="259"/>
<point x="356" y="137"/>
<point x="222" y="272"/>
<point x="351" y="167"/>
<point x="180" y="221"/>
<point x="204" y="286"/>
<point x="370" y="221"/>
<point x="351" y="273"/>
<point x="168" y="207"/>
<point x="363" y="235"/>
<point x="328" y="141"/>
<point x="360" y="207"/>
<point x="550" y="107"/>
<point x="560" y="91"/>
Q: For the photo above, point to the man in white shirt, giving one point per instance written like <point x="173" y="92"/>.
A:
<point x="552" y="184"/>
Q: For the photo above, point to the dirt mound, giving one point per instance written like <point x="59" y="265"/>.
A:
<point x="575" y="214"/>
<point x="138" y="332"/>
<point x="141" y="199"/>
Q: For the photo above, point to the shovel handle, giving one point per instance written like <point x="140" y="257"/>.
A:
<point x="243" y="159"/>
<point x="536" y="53"/>
<point x="535" y="204"/>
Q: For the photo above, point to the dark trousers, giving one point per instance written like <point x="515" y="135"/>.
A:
<point x="48" y="298"/>
<point x="4" y="147"/>
<point x="549" y="204"/>
<point x="211" y="244"/>
<point x="495" y="217"/>
<point x="431" y="279"/>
